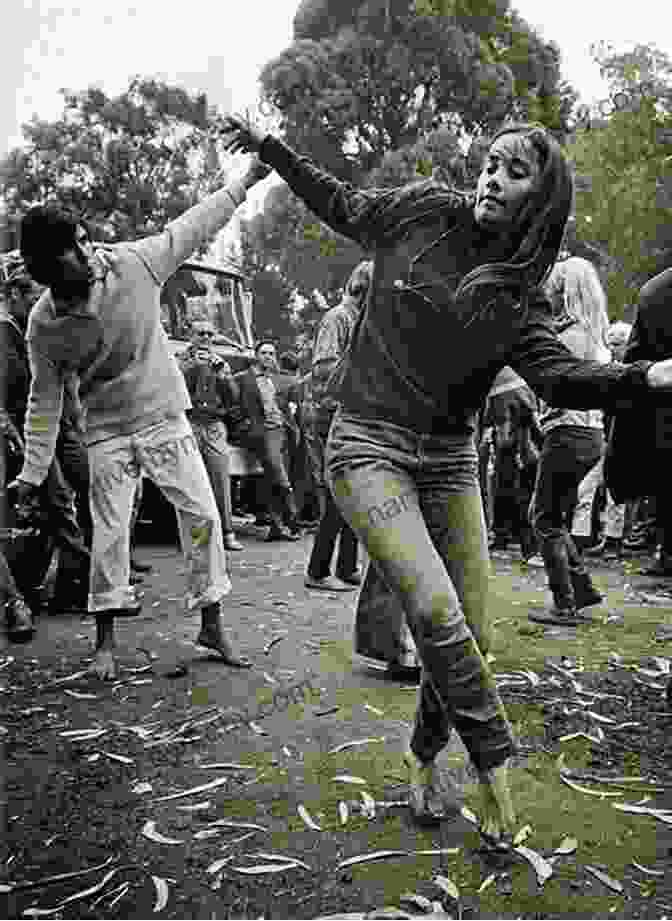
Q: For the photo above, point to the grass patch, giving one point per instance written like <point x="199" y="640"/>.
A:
<point x="606" y="836"/>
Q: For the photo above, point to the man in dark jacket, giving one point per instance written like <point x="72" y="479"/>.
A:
<point x="264" y="396"/>
<point x="68" y="473"/>
<point x="651" y="338"/>
<point x="203" y="372"/>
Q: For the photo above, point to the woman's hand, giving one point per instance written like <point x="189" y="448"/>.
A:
<point x="659" y="375"/>
<point x="241" y="135"/>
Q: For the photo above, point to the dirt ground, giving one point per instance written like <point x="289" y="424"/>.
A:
<point x="88" y="765"/>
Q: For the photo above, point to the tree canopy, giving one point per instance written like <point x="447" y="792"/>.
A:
<point x="379" y="92"/>
<point x="624" y="154"/>
<point x="128" y="163"/>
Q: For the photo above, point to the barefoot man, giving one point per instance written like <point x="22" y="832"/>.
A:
<point x="97" y="331"/>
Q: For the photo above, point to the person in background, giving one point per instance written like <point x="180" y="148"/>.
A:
<point x="263" y="395"/>
<point x="63" y="498"/>
<point x="97" y="332"/>
<point x="206" y="378"/>
<point x="650" y="447"/>
<point x="609" y="546"/>
<point x="573" y="444"/>
<point x="298" y="463"/>
<point x="510" y="410"/>
<point x="331" y="342"/>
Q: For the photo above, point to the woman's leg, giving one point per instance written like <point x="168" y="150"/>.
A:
<point x="380" y="499"/>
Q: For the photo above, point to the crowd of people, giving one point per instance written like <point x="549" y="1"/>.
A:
<point x="467" y="390"/>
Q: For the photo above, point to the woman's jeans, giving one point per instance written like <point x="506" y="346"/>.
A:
<point x="414" y="502"/>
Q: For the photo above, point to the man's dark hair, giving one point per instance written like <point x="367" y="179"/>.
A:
<point x="289" y="362"/>
<point x="46" y="232"/>
<point x="263" y="342"/>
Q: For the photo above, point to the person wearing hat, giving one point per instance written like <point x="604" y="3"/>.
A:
<point x="204" y="372"/>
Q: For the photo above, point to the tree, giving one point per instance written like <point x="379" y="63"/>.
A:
<point x="128" y="163"/>
<point x="624" y="198"/>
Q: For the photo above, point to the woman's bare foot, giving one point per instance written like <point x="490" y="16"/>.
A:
<point x="104" y="665"/>
<point x="432" y="797"/>
<point x="498" y="818"/>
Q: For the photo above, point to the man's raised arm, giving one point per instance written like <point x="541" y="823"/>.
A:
<point x="164" y="253"/>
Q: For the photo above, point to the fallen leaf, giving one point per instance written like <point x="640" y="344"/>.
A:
<point x="75" y="897"/>
<point x="353" y="744"/>
<point x="365" y="858"/>
<point x="305" y="815"/>
<point x="580" y="789"/>
<point x="469" y="815"/>
<point x="542" y="867"/>
<point x="67" y="678"/>
<point x="274" y="642"/>
<point x="600" y="718"/>
<point x="448" y="886"/>
<point x="193" y="790"/>
<point x="149" y="831"/>
<point x="647" y="870"/>
<point x="436" y="852"/>
<point x="348" y="778"/>
<point x="610" y="883"/>
<point x="266" y="868"/>
<point x="343" y="812"/>
<point x="122" y="759"/>
<point x="196" y="807"/>
<point x="488" y="881"/>
<point x="416" y="901"/>
<point x="282" y="858"/>
<point x="663" y="814"/>
<point x="58" y="878"/>
<point x="373" y="710"/>
<point x="567" y="846"/>
<point x="82" y="735"/>
<point x="522" y="835"/>
<point x="218" y="864"/>
<point x="227" y="766"/>
<point x="140" y="788"/>
<point x="369" y="804"/>
<point x="225" y="823"/>
<point x="161" y="887"/>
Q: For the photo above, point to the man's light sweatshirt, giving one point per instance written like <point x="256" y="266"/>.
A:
<point x="128" y="378"/>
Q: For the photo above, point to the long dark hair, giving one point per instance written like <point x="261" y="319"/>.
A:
<point x="540" y="226"/>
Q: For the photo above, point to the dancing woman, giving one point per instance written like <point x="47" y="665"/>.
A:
<point x="455" y="296"/>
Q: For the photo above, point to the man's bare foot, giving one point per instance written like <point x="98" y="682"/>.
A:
<point x="104" y="665"/>
<point x="213" y="636"/>
<point x="498" y="818"/>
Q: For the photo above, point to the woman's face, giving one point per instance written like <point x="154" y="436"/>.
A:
<point x="508" y="177"/>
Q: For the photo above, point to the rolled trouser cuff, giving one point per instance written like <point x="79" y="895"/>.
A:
<point x="465" y="686"/>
